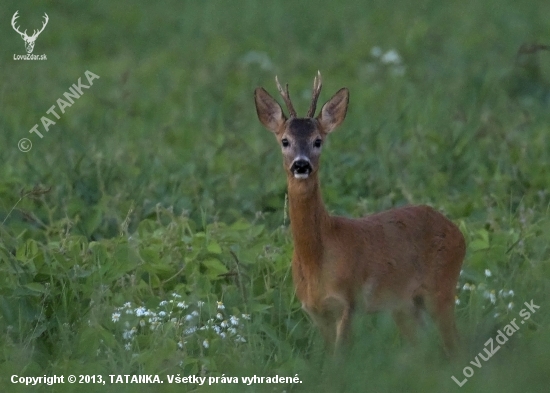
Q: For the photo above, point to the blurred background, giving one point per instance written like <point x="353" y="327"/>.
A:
<point x="448" y="106"/>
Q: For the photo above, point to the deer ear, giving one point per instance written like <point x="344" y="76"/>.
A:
<point x="334" y="111"/>
<point x="269" y="111"/>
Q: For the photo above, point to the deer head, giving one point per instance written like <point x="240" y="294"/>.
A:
<point x="29" y="40"/>
<point x="301" y="138"/>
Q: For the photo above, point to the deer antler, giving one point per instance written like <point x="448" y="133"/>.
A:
<point x="46" y="19"/>
<point x="36" y="32"/>
<point x="286" y="98"/>
<point x="15" y="16"/>
<point x="317" y="85"/>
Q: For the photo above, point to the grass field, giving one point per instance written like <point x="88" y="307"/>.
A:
<point x="145" y="233"/>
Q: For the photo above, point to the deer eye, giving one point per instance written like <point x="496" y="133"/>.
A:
<point x="318" y="142"/>
<point x="285" y="142"/>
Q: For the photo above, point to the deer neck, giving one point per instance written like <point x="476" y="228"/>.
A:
<point x="308" y="221"/>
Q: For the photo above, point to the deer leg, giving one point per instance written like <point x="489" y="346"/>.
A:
<point x="441" y="303"/>
<point x="447" y="327"/>
<point x="407" y="319"/>
<point x="441" y="310"/>
<point x="343" y="328"/>
<point x="335" y="322"/>
<point x="324" y="323"/>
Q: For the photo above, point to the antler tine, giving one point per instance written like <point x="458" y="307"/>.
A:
<point x="317" y="85"/>
<point x="13" y="21"/>
<point x="46" y="19"/>
<point x="286" y="98"/>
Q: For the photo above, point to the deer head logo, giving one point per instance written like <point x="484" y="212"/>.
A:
<point x="29" y="40"/>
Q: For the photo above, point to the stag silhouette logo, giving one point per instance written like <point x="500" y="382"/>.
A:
<point x="29" y="40"/>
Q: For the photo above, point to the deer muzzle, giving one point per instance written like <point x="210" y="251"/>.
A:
<point x="301" y="168"/>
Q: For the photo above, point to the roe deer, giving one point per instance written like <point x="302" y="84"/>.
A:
<point x="404" y="260"/>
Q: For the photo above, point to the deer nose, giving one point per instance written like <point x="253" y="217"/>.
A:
<point x="301" y="168"/>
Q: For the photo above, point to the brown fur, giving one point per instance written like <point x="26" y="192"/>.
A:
<point x="402" y="260"/>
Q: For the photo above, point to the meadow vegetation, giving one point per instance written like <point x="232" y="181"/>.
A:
<point x="146" y="232"/>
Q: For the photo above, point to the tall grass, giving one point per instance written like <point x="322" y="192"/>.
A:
<point x="159" y="180"/>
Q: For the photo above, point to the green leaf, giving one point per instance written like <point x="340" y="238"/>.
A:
<point x="214" y="248"/>
<point x="240" y="225"/>
<point x="478" y="245"/>
<point x="481" y="242"/>
<point x="93" y="220"/>
<point x="36" y="287"/>
<point x="214" y="267"/>
<point x="259" y="308"/>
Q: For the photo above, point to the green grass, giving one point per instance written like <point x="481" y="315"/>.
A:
<point x="159" y="179"/>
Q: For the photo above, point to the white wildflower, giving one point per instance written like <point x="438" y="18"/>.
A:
<point x="190" y="330"/>
<point x="116" y="316"/>
<point x="182" y="305"/>
<point x="205" y="344"/>
<point x="163" y="303"/>
<point x="128" y="334"/>
<point x="200" y="303"/>
<point x="240" y="339"/>
<point x="488" y="273"/>
<point x="140" y="311"/>
<point x="493" y="297"/>
<point x="221" y="306"/>
<point x="162" y="314"/>
<point x="127" y="304"/>
<point x="128" y="346"/>
<point x="246" y="316"/>
<point x="154" y="325"/>
<point x="391" y="57"/>
<point x="224" y="324"/>
<point x="504" y="294"/>
<point x="234" y="320"/>
<point x="219" y="316"/>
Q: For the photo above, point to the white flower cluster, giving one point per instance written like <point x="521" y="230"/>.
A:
<point x="390" y="59"/>
<point x="188" y="317"/>
<point x="490" y="294"/>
